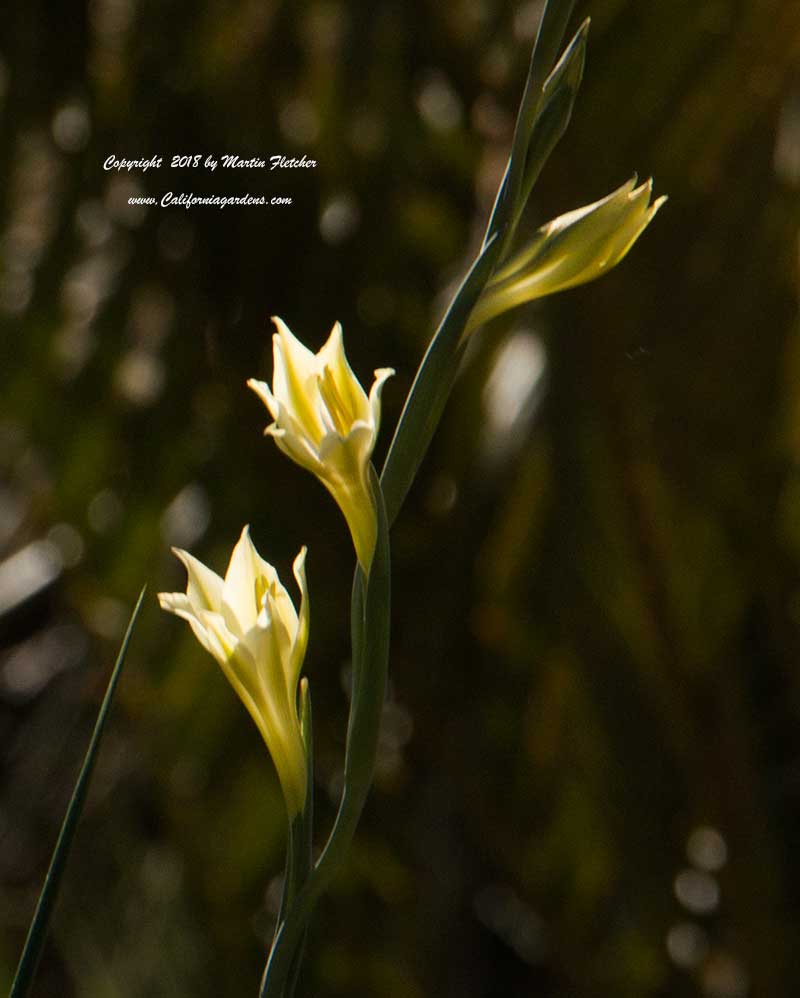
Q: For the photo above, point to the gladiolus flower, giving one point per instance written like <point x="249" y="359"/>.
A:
<point x="325" y="422"/>
<point x="572" y="249"/>
<point x="248" y="622"/>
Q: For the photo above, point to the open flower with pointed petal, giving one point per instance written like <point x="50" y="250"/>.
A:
<point x="572" y="249"/>
<point x="325" y="422"/>
<point x="248" y="622"/>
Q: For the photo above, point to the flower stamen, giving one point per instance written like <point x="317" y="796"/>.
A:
<point x="335" y="405"/>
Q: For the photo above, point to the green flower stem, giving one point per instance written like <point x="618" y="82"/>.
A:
<point x="356" y="633"/>
<point x="300" y="856"/>
<point x="432" y="386"/>
<point x="44" y="908"/>
<point x="371" y="648"/>
<point x="552" y="27"/>
<point x="544" y="114"/>
<point x="299" y="839"/>
<point x="558" y="99"/>
<point x="307" y="817"/>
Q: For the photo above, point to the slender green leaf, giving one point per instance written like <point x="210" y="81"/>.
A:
<point x="44" y="908"/>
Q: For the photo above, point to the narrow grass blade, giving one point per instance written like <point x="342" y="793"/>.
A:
<point x="44" y="909"/>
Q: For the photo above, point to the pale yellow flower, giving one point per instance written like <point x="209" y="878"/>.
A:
<point x="325" y="422"/>
<point x="572" y="249"/>
<point x="248" y="622"/>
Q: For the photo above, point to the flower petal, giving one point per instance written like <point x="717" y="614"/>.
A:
<point x="572" y="249"/>
<point x="237" y="663"/>
<point x="332" y="358"/>
<point x="294" y="379"/>
<point x="299" y="446"/>
<point x="603" y="215"/>
<point x="204" y="587"/>
<point x="302" y="625"/>
<point x="180" y="605"/>
<point x="241" y="598"/>
<point x="262" y="389"/>
<point x="296" y="448"/>
<point x="346" y="458"/>
<point x="284" y="618"/>
<point x="381" y="377"/>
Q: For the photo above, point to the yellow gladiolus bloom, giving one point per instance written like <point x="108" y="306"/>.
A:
<point x="248" y="622"/>
<point x="572" y="249"/>
<point x="325" y="422"/>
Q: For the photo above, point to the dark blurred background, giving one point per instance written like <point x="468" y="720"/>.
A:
<point x="589" y="779"/>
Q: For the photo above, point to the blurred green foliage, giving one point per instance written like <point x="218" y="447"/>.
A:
<point x="589" y="776"/>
